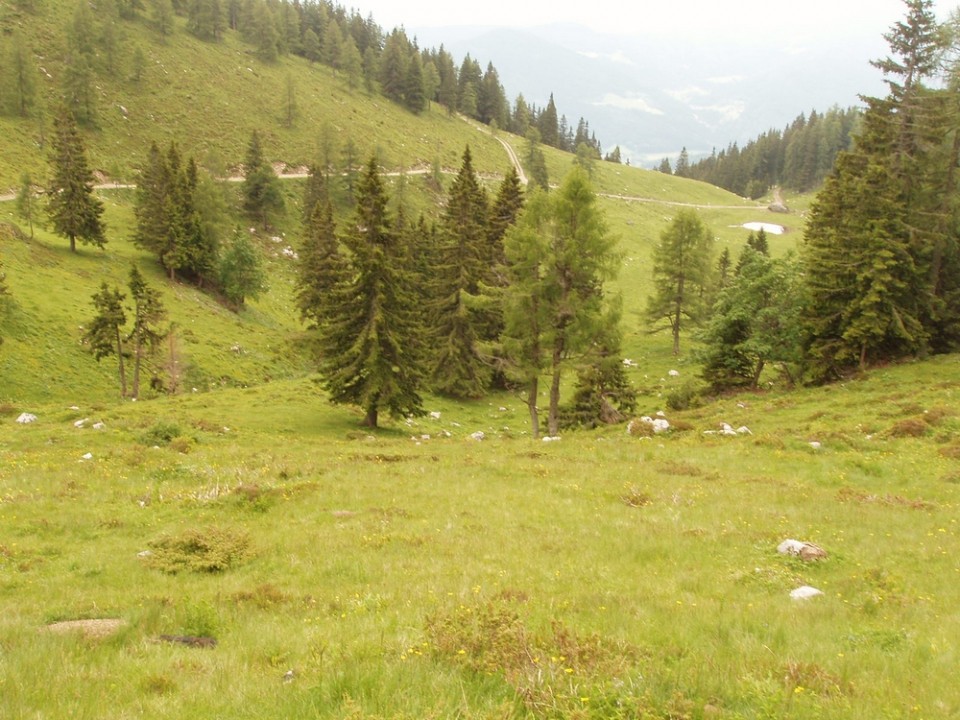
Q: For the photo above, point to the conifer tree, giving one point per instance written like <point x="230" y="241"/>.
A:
<point x="371" y="344"/>
<point x="241" y="272"/>
<point x="549" y="125"/>
<point x="19" y="79"/>
<point x="74" y="210"/>
<point x="104" y="333"/>
<point x="466" y="258"/>
<point x="261" y="187"/>
<point x="148" y="313"/>
<point x="681" y="262"/>
<point x="322" y="268"/>
<point x="559" y="254"/>
<point x="26" y="205"/>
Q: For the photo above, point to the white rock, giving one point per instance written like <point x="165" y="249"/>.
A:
<point x="144" y="553"/>
<point x="435" y="415"/>
<point x="661" y="414"/>
<point x="73" y="407"/>
<point x="551" y="438"/>
<point x="744" y="430"/>
<point x="804" y="592"/>
<point x="81" y="423"/>
<point x="725" y="429"/>
<point x="424" y="437"/>
<point x="88" y="456"/>
<point x="98" y="426"/>
<point x="26" y="418"/>
<point x="502" y="409"/>
<point x="478" y="435"/>
<point x="674" y="373"/>
<point x="790" y="547"/>
<point x="660" y="425"/>
<point x="815" y="445"/>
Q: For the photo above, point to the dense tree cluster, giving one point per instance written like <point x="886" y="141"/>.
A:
<point x="401" y="307"/>
<point x="798" y="157"/>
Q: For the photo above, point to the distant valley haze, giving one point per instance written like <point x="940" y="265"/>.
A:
<point x="656" y="77"/>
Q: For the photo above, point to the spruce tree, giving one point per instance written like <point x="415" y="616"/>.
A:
<point x="467" y="256"/>
<point x="681" y="262"/>
<point x="371" y="352"/>
<point x="322" y="268"/>
<point x="104" y="332"/>
<point x="261" y="187"/>
<point x="74" y="210"/>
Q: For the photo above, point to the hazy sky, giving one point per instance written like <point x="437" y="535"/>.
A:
<point x="683" y="18"/>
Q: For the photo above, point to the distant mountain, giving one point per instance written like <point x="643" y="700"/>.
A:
<point x="654" y="95"/>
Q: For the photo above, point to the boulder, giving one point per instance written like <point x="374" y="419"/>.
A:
<point x="803" y="550"/>
<point x="805" y="592"/>
<point x="26" y="418"/>
<point x="778" y="207"/>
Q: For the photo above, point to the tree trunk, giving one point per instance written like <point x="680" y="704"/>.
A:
<point x="532" y="405"/>
<point x="73" y="243"/>
<point x="123" y="375"/>
<point x="553" y="417"/>
<point x="756" y="373"/>
<point x="371" y="418"/>
<point x="137" y="353"/>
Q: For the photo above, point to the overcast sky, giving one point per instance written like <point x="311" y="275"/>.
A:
<point x="683" y="18"/>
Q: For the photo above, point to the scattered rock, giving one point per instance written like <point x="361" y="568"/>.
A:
<point x="144" y="553"/>
<point x="725" y="429"/>
<point x="803" y="550"/>
<point x="81" y="423"/>
<point x="289" y="676"/>
<point x="93" y="628"/>
<point x="804" y="592"/>
<point x="87" y="456"/>
<point x="743" y="430"/>
<point x="25" y="418"/>
<point x="674" y="373"/>
<point x="435" y="415"/>
<point x="629" y="363"/>
<point x="551" y="438"/>
<point x="815" y="445"/>
<point x="778" y="207"/>
<point x="98" y="426"/>
<point x="478" y="435"/>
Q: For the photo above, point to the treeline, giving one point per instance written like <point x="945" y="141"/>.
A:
<point x="799" y="157"/>
<point x="391" y="64"/>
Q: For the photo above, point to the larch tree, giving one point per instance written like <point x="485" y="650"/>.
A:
<point x="557" y="314"/>
<point x="104" y="334"/>
<point x="371" y="343"/>
<point x="73" y="208"/>
<point x="681" y="265"/>
<point x="146" y="334"/>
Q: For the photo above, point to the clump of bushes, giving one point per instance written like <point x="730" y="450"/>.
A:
<point x="208" y="550"/>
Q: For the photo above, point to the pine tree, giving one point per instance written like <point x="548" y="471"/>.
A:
<point x="261" y="187"/>
<point x="74" y="210"/>
<point x="371" y="350"/>
<point x="148" y="313"/>
<point x="682" y="168"/>
<point x="104" y="333"/>
<point x="681" y="262"/>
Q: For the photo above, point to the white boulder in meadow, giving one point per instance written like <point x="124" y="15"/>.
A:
<point x="26" y="418"/>
<point x="805" y="592"/>
<point x="802" y="550"/>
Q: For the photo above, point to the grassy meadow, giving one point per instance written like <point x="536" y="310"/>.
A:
<point x="242" y="549"/>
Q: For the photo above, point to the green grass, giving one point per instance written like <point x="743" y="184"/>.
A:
<point x="374" y="560"/>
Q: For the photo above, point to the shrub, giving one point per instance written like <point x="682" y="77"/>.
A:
<point x="161" y="433"/>
<point x="199" y="550"/>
